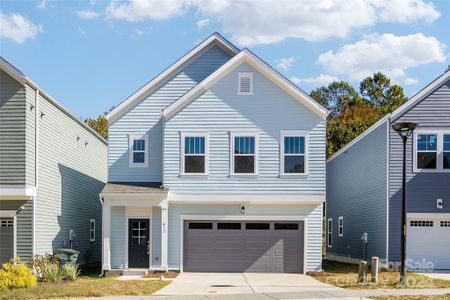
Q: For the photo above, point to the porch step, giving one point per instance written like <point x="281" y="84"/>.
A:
<point x="135" y="272"/>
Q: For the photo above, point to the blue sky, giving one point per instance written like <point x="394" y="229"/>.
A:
<point x="90" y="55"/>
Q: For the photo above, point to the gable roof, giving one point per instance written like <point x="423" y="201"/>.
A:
<point x="248" y="57"/>
<point x="24" y="80"/>
<point x="400" y="111"/>
<point x="213" y="40"/>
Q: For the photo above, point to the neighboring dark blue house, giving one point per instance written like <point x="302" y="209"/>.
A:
<point x="364" y="186"/>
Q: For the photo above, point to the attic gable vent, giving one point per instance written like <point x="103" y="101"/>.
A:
<point x="245" y="84"/>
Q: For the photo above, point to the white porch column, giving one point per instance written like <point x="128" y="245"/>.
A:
<point x="106" y="234"/>
<point x="164" y="234"/>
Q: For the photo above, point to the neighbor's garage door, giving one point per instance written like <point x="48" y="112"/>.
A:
<point x="429" y="240"/>
<point x="6" y="239"/>
<point x="215" y="246"/>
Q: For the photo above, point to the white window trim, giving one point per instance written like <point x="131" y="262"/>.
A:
<point x="341" y="226"/>
<point x="330" y="232"/>
<point x="245" y="74"/>
<point x="92" y="221"/>
<point x="131" y="138"/>
<point x="300" y="133"/>
<point x="234" y="134"/>
<point x="439" y="132"/>
<point x="184" y="134"/>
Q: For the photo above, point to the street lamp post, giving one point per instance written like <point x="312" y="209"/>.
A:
<point x="404" y="129"/>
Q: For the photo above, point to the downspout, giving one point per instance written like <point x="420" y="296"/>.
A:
<point x="36" y="173"/>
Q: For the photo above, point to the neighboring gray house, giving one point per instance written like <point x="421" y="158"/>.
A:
<point x="364" y="186"/>
<point x="52" y="167"/>
<point x="217" y="164"/>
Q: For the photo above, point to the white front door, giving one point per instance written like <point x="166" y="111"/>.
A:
<point x="428" y="242"/>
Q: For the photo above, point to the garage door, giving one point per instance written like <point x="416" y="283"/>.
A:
<point x="216" y="246"/>
<point x="429" y="240"/>
<point x="6" y="239"/>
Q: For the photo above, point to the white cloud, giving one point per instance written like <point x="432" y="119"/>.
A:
<point x="88" y="14"/>
<point x="410" y="81"/>
<point x="137" y="10"/>
<point x="17" y="27"/>
<point x="286" y="63"/>
<point x="42" y="4"/>
<point x="387" y="53"/>
<point x="322" y="79"/>
<point x="203" y="23"/>
<point x="252" y="22"/>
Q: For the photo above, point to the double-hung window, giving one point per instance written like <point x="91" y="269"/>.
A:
<point x="244" y="154"/>
<point x="330" y="233"/>
<point x="138" y="150"/>
<point x="293" y="150"/>
<point x="341" y="226"/>
<point x="432" y="150"/>
<point x="194" y="149"/>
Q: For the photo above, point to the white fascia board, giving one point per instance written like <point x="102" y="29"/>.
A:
<point x="243" y="197"/>
<point x="360" y="137"/>
<point x="246" y="56"/>
<point x="16" y="192"/>
<point x="24" y="80"/>
<point x="214" y="40"/>
<point x="420" y="95"/>
<point x="442" y="216"/>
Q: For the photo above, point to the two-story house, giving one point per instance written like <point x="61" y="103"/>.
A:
<point x="364" y="186"/>
<point x="217" y="164"/>
<point x="52" y="167"/>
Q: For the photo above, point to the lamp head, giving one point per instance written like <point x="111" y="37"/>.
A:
<point x="404" y="129"/>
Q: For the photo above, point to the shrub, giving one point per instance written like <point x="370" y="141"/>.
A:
<point x="16" y="275"/>
<point x="46" y="268"/>
<point x="70" y="271"/>
<point x="51" y="273"/>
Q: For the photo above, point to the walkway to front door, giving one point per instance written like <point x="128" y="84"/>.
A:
<point x="138" y="243"/>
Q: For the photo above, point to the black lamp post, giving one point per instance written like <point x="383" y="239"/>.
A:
<point x="404" y="129"/>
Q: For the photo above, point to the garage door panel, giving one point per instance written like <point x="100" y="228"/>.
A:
<point x="264" y="249"/>
<point x="6" y="239"/>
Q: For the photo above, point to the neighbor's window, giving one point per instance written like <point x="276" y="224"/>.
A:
<point x="92" y="230"/>
<point x="245" y="83"/>
<point x="194" y="153"/>
<point x="341" y="226"/>
<point x="426" y="151"/>
<point x="293" y="158"/>
<point x="244" y="154"/>
<point x="138" y="148"/>
<point x="329" y="232"/>
<point x="446" y="152"/>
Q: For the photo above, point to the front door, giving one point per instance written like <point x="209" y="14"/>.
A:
<point x="138" y="243"/>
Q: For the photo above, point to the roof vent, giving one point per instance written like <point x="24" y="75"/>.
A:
<point x="245" y="84"/>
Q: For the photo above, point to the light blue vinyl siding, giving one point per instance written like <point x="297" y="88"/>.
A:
<point x="312" y="212"/>
<point x="146" y="117"/>
<point x="117" y="237"/>
<point x="357" y="190"/>
<point x="220" y="110"/>
<point x="422" y="188"/>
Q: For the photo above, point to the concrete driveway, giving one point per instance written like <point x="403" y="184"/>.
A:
<point x="242" y="283"/>
<point x="445" y="275"/>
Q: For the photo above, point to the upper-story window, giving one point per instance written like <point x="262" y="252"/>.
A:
<point x="194" y="153"/>
<point x="245" y="83"/>
<point x="138" y="150"/>
<point x="293" y="150"/>
<point x="244" y="148"/>
<point x="432" y="150"/>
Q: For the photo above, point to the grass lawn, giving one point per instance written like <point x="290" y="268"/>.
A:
<point x="436" y="297"/>
<point x="87" y="285"/>
<point x="346" y="276"/>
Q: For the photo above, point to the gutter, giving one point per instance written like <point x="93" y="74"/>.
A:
<point x="36" y="171"/>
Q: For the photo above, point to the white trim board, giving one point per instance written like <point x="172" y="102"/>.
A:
<point x="16" y="192"/>
<point x="428" y="215"/>
<point x="246" y="56"/>
<point x="244" y="218"/>
<point x="214" y="40"/>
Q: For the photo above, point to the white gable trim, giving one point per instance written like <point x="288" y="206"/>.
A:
<point x="420" y="95"/>
<point x="246" y="56"/>
<point x="214" y="40"/>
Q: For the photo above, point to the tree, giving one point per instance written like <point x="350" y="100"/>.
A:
<point x="351" y="113"/>
<point x="379" y="92"/>
<point x="100" y="125"/>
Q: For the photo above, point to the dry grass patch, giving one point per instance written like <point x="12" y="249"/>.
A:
<point x="430" y="297"/>
<point x="346" y="276"/>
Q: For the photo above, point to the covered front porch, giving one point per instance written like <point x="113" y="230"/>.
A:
<point x="134" y="227"/>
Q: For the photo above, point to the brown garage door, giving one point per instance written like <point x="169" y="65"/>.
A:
<point x="216" y="246"/>
<point x="6" y="239"/>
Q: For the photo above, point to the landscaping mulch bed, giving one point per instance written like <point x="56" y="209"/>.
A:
<point x="170" y="274"/>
